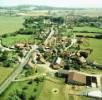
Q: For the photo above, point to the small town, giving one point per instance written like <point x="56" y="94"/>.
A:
<point x="49" y="58"/>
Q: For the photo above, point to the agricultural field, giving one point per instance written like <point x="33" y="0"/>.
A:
<point x="37" y="13"/>
<point x="9" y="24"/>
<point x="4" y="73"/>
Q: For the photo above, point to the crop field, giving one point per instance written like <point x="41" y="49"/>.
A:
<point x="37" y="13"/>
<point x="10" y="24"/>
<point x="4" y="73"/>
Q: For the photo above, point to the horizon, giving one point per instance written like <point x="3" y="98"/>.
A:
<point x="54" y="3"/>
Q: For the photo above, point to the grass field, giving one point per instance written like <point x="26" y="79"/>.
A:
<point x="11" y="40"/>
<point x="4" y="72"/>
<point x="88" y="34"/>
<point x="62" y="91"/>
<point x="101" y="81"/>
<point x="96" y="45"/>
<point x="31" y="89"/>
<point x="50" y="89"/>
<point x="10" y="24"/>
<point x="91" y="70"/>
<point x="47" y="94"/>
<point x="87" y="29"/>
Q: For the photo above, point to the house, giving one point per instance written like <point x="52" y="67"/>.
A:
<point x="76" y="78"/>
<point x="57" y="63"/>
<point x="20" y="45"/>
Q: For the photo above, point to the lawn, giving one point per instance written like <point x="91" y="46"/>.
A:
<point x="87" y="29"/>
<point x="4" y="73"/>
<point x="9" y="24"/>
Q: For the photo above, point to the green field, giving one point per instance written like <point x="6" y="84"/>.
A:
<point x="101" y="81"/>
<point x="96" y="45"/>
<point x="91" y="70"/>
<point x="88" y="34"/>
<point x="62" y="91"/>
<point x="11" y="40"/>
<point x="87" y="29"/>
<point x="47" y="94"/>
<point x="45" y="90"/>
<point x="9" y="24"/>
<point x="4" y="73"/>
<point x="29" y="90"/>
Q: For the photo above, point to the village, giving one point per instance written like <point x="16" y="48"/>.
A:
<point x="56" y="55"/>
<point x="57" y="61"/>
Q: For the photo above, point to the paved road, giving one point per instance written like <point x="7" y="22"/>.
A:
<point x="19" y="69"/>
<point x="15" y="73"/>
<point x="49" y="36"/>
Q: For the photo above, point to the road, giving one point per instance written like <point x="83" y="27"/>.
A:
<point x="15" y="73"/>
<point x="30" y="77"/>
<point x="47" y="68"/>
<point x="19" y="69"/>
<point x="73" y="42"/>
<point x="49" y="36"/>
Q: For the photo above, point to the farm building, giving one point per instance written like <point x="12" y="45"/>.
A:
<point x="76" y="78"/>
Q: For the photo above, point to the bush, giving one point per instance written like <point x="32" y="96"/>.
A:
<point x="5" y="35"/>
<point x="98" y="36"/>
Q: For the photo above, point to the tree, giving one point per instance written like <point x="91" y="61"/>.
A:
<point x="32" y="97"/>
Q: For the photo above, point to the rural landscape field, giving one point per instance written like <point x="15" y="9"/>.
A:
<point x="50" y="53"/>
